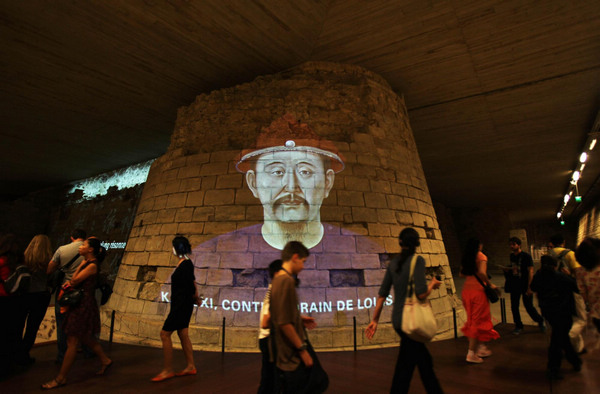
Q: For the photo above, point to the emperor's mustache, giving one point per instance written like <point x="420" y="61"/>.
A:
<point x="290" y="199"/>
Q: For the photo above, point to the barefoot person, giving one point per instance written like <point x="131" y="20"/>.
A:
<point x="183" y="296"/>
<point x="82" y="321"/>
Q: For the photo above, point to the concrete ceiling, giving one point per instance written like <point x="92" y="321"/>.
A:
<point x="501" y="94"/>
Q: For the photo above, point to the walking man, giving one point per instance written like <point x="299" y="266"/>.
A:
<point x="519" y="277"/>
<point x="294" y="363"/>
<point x="567" y="264"/>
<point x="65" y="255"/>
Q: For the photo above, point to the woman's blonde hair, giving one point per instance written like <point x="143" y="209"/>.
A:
<point x="38" y="253"/>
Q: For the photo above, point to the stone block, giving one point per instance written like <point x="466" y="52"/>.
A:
<point x="214" y="168"/>
<point x="365" y="261"/>
<point x="176" y="200"/>
<point x="155" y="243"/>
<point x="190" y="184"/>
<point x="160" y="202"/>
<point x="314" y="278"/>
<point x="163" y="274"/>
<point x="404" y="218"/>
<point x="152" y="229"/>
<point x="188" y="172"/>
<point x="208" y="182"/>
<point x="219" y="197"/>
<point x="321" y="338"/>
<point x="334" y="261"/>
<point x="195" y="199"/>
<point x="383" y="187"/>
<point x="376" y="200"/>
<point x="378" y="230"/>
<point x="339" y="244"/>
<point x="205" y="335"/>
<point x="346" y="278"/>
<point x="386" y="216"/>
<point x="241" y="339"/>
<point x="364" y="214"/>
<point x="391" y="244"/>
<point x="218" y="228"/>
<point x="204" y="214"/>
<point x="245" y="197"/>
<point x="149" y="291"/>
<point x="135" y="306"/>
<point x="354" y="229"/>
<point x="411" y="205"/>
<point x="184" y="215"/>
<point x="328" y="214"/>
<point x="395" y="202"/>
<point x="345" y="294"/>
<point x="140" y="259"/>
<point x="367" y="245"/>
<point x="350" y="198"/>
<point x="198" y="159"/>
<point x="230" y="213"/>
<point x="236" y="260"/>
<point x="219" y="277"/>
<point x="354" y="183"/>
<point x="166" y="216"/>
<point x="169" y="229"/>
<point x="230" y="181"/>
<point x="172" y="186"/>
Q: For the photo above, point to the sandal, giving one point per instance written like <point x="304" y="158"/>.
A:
<point x="53" y="384"/>
<point x="104" y="368"/>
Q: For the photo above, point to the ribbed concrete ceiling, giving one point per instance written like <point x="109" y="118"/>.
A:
<point x="501" y="94"/>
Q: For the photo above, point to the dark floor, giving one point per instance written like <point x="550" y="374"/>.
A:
<point x="517" y="366"/>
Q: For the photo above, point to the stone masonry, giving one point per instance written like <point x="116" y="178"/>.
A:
<point x="195" y="190"/>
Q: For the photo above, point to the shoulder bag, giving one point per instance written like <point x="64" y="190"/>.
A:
<point x="491" y="294"/>
<point x="418" y="321"/>
<point x="55" y="279"/>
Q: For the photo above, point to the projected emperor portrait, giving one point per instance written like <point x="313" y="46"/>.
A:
<point x="291" y="171"/>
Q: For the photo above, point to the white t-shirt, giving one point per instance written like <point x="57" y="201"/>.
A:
<point x="64" y="254"/>
<point x="264" y="309"/>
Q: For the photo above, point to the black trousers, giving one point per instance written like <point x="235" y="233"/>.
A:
<point x="515" y="297"/>
<point x="560" y="342"/>
<point x="33" y="309"/>
<point x="269" y="379"/>
<point x="411" y="354"/>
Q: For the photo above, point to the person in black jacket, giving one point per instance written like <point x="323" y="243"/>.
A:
<point x="555" y="294"/>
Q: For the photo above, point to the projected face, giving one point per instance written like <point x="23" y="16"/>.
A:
<point x="291" y="185"/>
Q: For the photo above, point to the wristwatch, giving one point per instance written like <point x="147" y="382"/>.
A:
<point x="302" y="347"/>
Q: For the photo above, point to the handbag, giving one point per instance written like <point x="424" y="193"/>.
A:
<point x="71" y="297"/>
<point x="491" y="294"/>
<point x="418" y="321"/>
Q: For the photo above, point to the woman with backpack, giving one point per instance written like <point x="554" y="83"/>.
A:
<point x="36" y="299"/>
<point x="82" y="320"/>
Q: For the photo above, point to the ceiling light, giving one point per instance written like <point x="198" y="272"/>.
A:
<point x="558" y="215"/>
<point x="576" y="175"/>
<point x="592" y="144"/>
<point x="583" y="157"/>
<point x="566" y="199"/>
<point x="582" y="167"/>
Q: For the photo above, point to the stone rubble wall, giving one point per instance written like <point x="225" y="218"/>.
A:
<point x="195" y="190"/>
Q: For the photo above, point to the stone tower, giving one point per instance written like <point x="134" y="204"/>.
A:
<point x="323" y="153"/>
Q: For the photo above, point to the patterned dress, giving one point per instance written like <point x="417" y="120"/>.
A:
<point x="83" y="320"/>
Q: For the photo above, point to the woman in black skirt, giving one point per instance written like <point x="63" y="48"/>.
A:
<point x="183" y="296"/>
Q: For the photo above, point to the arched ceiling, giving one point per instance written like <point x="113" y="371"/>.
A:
<point x="501" y="94"/>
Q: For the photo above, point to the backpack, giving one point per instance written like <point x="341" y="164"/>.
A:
<point x="18" y="282"/>
<point x="560" y="257"/>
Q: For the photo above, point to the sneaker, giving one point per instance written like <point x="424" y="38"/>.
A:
<point x="517" y="331"/>
<point x="483" y="351"/>
<point x="474" y="359"/>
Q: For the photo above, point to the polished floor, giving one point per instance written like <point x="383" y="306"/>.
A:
<point x="517" y="366"/>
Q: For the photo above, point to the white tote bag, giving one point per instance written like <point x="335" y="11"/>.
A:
<point x="418" y="321"/>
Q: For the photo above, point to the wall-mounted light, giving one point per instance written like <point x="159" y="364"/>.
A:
<point x="583" y="157"/>
<point x="576" y="176"/>
<point x="592" y="144"/>
<point x="558" y="215"/>
<point x="566" y="199"/>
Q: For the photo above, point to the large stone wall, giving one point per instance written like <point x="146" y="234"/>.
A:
<point x="195" y="190"/>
